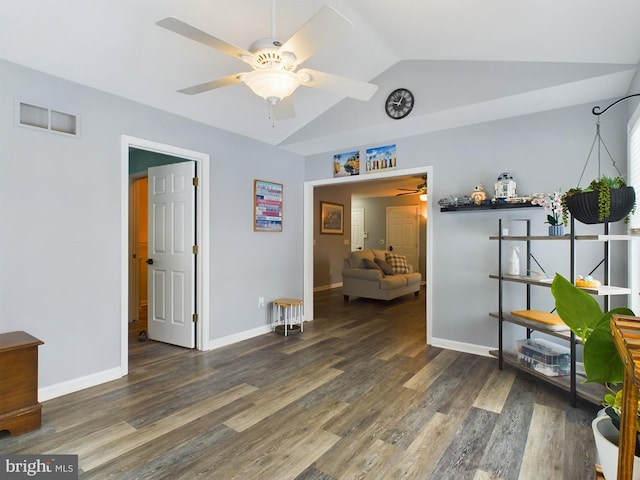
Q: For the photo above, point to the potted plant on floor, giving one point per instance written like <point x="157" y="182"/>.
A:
<point x="602" y="364"/>
<point x="607" y="199"/>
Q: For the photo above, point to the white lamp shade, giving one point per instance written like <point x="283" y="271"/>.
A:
<point x="272" y="84"/>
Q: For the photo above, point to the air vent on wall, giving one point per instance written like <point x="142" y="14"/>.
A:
<point x="47" y="119"/>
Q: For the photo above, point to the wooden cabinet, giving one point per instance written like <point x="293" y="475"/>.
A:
<point x="19" y="407"/>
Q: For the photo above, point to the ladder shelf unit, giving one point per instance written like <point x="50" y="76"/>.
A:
<point x="590" y="392"/>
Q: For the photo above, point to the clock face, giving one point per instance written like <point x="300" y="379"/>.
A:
<point x="399" y="103"/>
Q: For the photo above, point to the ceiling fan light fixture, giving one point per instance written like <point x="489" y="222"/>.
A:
<point x="272" y="84"/>
<point x="423" y="197"/>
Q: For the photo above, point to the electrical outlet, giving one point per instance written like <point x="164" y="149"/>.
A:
<point x="260" y="302"/>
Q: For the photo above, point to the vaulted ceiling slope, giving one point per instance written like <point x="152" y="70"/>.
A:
<point x="465" y="61"/>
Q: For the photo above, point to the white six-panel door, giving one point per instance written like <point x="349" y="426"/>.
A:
<point x="170" y="254"/>
<point x="357" y="229"/>
<point x="402" y="232"/>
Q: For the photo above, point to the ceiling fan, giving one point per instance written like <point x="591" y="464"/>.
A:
<point x="421" y="189"/>
<point x="275" y="74"/>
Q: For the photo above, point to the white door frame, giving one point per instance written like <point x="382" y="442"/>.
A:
<point x="308" y="235"/>
<point x="202" y="238"/>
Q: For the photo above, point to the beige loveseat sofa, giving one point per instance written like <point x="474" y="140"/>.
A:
<point x="363" y="276"/>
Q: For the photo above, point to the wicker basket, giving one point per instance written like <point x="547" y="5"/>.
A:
<point x="584" y="206"/>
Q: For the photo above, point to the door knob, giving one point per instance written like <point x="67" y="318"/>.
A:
<point x="150" y="261"/>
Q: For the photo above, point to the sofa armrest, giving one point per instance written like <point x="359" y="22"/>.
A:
<point x="362" y="273"/>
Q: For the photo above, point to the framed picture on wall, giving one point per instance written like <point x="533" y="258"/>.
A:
<point x="267" y="207"/>
<point x="345" y="164"/>
<point x="381" y="158"/>
<point x="331" y="218"/>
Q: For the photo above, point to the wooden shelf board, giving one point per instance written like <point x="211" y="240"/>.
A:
<point x="523" y="238"/>
<point x="592" y="392"/>
<point x="594" y="238"/>
<point x="540" y="327"/>
<point x="601" y="290"/>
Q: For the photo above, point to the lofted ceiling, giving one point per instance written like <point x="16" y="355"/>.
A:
<point x="465" y="61"/>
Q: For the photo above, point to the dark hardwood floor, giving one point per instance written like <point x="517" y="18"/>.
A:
<point x="357" y="395"/>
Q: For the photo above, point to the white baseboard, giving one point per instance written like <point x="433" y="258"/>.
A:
<point x="236" y="337"/>
<point x="327" y="287"/>
<point x="70" y="386"/>
<point x="461" y="346"/>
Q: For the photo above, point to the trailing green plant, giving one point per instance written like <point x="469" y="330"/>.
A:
<point x="603" y="186"/>
<point x="563" y="201"/>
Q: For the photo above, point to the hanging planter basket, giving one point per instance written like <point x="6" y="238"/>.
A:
<point x="584" y="206"/>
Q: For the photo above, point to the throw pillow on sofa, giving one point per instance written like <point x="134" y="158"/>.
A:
<point x="384" y="266"/>
<point x="370" y="264"/>
<point x="398" y="263"/>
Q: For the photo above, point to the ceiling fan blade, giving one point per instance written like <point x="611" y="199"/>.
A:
<point x="283" y="110"/>
<point x="186" y="30"/>
<point x="205" y="87"/>
<point x="406" y="193"/>
<point x="341" y="85"/>
<point x="326" y="26"/>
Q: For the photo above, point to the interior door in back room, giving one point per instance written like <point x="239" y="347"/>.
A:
<point x="402" y="232"/>
<point x="171" y="259"/>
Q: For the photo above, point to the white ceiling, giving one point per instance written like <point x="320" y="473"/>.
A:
<point x="466" y="61"/>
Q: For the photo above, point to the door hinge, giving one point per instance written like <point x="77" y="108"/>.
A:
<point x="195" y="318"/>
<point x="194" y="249"/>
<point x="196" y="181"/>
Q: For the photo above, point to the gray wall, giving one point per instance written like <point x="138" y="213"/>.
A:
<point x="61" y="225"/>
<point x="330" y="249"/>
<point x="545" y="152"/>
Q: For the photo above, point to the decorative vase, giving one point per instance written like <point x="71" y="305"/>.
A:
<point x="606" y="438"/>
<point x="584" y="206"/>
<point x="556" y="230"/>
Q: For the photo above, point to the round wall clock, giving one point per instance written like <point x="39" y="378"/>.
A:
<point x="399" y="103"/>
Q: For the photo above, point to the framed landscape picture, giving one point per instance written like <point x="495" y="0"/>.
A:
<point x="267" y="207"/>
<point x="331" y="218"/>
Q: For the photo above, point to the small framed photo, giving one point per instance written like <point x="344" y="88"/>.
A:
<point x="381" y="158"/>
<point x="345" y="164"/>
<point x="331" y="218"/>
<point x="267" y="207"/>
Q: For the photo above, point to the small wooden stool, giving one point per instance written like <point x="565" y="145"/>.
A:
<point x="289" y="311"/>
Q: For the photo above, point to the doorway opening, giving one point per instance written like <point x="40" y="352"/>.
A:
<point x="310" y="218"/>
<point x="202" y="299"/>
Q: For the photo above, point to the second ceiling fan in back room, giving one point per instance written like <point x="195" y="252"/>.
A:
<point x="275" y="74"/>
<point x="421" y="189"/>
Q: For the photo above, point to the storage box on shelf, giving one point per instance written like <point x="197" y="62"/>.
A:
<point x="533" y="320"/>
<point x="543" y="356"/>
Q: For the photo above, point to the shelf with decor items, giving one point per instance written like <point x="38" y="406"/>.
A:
<point x="485" y="206"/>
<point x="542" y="322"/>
